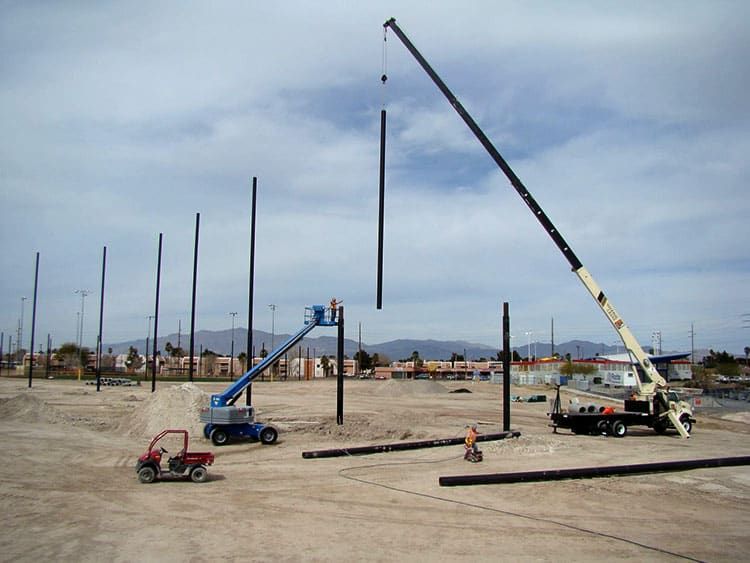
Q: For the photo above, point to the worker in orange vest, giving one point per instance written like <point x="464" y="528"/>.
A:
<point x="334" y="307"/>
<point x="470" y="443"/>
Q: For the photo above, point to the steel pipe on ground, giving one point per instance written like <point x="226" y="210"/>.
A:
<point x="588" y="472"/>
<point x="399" y="446"/>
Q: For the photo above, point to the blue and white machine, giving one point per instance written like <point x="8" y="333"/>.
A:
<point x="225" y="421"/>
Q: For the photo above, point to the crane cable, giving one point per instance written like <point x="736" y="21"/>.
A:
<point x="384" y="65"/>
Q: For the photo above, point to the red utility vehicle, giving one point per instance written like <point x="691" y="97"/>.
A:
<point x="185" y="463"/>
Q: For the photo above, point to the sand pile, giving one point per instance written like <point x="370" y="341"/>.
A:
<point x="30" y="409"/>
<point x="176" y="407"/>
<point x="399" y="388"/>
<point x="738" y="417"/>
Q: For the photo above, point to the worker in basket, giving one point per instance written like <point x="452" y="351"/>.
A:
<point x="471" y="451"/>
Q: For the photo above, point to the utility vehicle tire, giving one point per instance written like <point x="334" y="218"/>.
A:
<point x="147" y="474"/>
<point x="619" y="429"/>
<point x="199" y="474"/>
<point x="686" y="424"/>
<point x="268" y="435"/>
<point x="602" y="427"/>
<point x="220" y="437"/>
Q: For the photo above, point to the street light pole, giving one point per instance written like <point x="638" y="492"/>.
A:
<point x="231" y="358"/>
<point x="528" y="348"/>
<point x="19" y="343"/>
<point x="273" y="321"/>
<point x="148" y="341"/>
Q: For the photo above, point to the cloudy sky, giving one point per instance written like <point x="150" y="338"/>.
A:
<point x="629" y="122"/>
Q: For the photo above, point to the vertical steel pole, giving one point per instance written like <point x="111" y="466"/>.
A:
<point x="156" y="316"/>
<point x="381" y="216"/>
<point x="195" y="282"/>
<point x="101" y="319"/>
<point x="33" y="318"/>
<point x="251" y="292"/>
<point x="506" y="368"/>
<point x="2" y="341"/>
<point x="340" y="379"/>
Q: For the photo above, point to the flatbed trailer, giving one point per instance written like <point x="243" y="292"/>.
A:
<point x="635" y="413"/>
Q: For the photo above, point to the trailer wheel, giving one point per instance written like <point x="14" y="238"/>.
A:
<point x="199" y="474"/>
<point x="147" y="474"/>
<point x="219" y="437"/>
<point x="619" y="429"/>
<point x="602" y="427"/>
<point x="686" y="424"/>
<point x="268" y="435"/>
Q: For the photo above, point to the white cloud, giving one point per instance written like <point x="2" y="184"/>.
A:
<point x="628" y="125"/>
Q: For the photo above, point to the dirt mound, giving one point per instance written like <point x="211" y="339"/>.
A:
<point x="175" y="407"/>
<point x="29" y="408"/>
<point x="399" y="388"/>
<point x="738" y="417"/>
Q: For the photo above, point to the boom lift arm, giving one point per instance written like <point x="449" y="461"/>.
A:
<point x="314" y="316"/>
<point x="650" y="383"/>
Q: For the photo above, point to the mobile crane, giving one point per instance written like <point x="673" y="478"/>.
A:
<point x="225" y="421"/>
<point x="652" y="387"/>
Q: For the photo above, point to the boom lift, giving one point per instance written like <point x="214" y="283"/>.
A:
<point x="225" y="421"/>
<point x="652" y="387"/>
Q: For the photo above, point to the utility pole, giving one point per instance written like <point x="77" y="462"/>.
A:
<point x="19" y="340"/>
<point x="231" y="358"/>
<point x="83" y="293"/>
<point x="552" y="350"/>
<point x="273" y="321"/>
<point x="359" y="347"/>
<point x="692" y="343"/>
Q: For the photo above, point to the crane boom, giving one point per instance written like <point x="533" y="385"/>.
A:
<point x="649" y="381"/>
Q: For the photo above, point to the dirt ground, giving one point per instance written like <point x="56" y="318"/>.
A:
<point x="69" y="491"/>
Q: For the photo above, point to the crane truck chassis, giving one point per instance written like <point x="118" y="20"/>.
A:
<point x="636" y="413"/>
<point x="652" y="387"/>
<point x="225" y="421"/>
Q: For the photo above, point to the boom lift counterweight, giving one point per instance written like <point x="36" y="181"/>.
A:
<point x="652" y="387"/>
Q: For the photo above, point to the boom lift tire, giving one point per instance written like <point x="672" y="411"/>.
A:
<point x="219" y="437"/>
<point x="619" y="429"/>
<point x="268" y="435"/>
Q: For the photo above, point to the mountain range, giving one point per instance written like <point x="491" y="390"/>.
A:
<point x="220" y="342"/>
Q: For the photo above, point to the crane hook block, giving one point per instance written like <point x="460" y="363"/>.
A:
<point x="383" y="78"/>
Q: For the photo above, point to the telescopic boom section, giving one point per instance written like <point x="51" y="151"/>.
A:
<point x="314" y="316"/>
<point x="653" y="379"/>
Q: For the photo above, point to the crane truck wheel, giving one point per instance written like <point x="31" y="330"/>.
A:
<point x="686" y="424"/>
<point x="619" y="429"/>
<point x="219" y="437"/>
<point x="268" y="435"/>
<point x="661" y="427"/>
<point x="147" y="474"/>
<point x="198" y="474"/>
